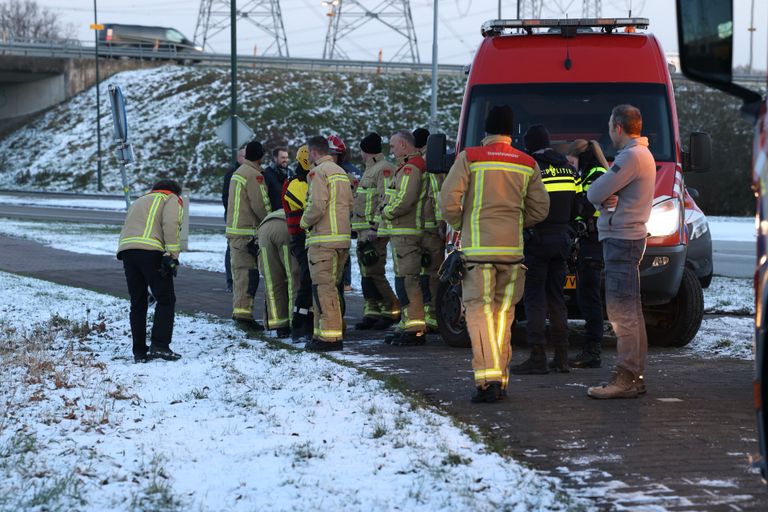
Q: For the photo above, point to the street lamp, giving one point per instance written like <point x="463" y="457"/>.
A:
<point x="96" y="27"/>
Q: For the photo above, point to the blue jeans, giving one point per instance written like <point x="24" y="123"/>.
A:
<point x="622" y="297"/>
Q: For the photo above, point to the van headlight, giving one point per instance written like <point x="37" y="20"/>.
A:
<point x="698" y="227"/>
<point x="665" y="218"/>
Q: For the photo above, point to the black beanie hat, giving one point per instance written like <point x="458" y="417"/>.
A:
<point x="499" y="121"/>
<point x="420" y="135"/>
<point x="371" y="144"/>
<point x="536" y="138"/>
<point x="254" y="151"/>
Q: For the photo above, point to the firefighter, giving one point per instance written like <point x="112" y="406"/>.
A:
<point x="248" y="206"/>
<point x="149" y="248"/>
<point x="547" y="249"/>
<point x="327" y="221"/>
<point x="588" y="158"/>
<point x="490" y="194"/>
<point x="402" y="211"/>
<point x="432" y="245"/>
<point x="280" y="271"/>
<point x="294" y="199"/>
<point x="381" y="307"/>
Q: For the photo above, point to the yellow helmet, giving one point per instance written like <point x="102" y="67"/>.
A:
<point x="302" y="156"/>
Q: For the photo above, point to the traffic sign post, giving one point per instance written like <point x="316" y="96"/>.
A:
<point x="124" y="151"/>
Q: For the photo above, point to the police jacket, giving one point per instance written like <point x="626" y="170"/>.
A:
<point x="367" y="194"/>
<point x="402" y="208"/>
<point x="563" y="185"/>
<point x="329" y="205"/>
<point x="153" y="223"/>
<point x="490" y="194"/>
<point x="248" y="201"/>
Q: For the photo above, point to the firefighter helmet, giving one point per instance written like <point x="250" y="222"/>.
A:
<point x="336" y="145"/>
<point x="302" y="156"/>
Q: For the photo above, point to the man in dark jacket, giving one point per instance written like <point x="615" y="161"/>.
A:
<point x="547" y="249"/>
<point x="275" y="176"/>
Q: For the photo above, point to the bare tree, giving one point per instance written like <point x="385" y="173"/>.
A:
<point x="28" y="21"/>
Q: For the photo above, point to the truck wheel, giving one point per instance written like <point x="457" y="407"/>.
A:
<point x="450" y="316"/>
<point x="676" y="323"/>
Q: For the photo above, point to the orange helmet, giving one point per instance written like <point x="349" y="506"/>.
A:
<point x="336" y="145"/>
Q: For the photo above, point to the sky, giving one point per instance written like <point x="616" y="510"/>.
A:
<point x="459" y="24"/>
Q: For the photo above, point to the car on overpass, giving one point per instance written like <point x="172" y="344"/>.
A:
<point x="148" y="40"/>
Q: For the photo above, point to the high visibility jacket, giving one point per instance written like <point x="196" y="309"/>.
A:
<point x="153" y="223"/>
<point x="430" y="198"/>
<point x="248" y="201"/>
<point x="491" y="193"/>
<point x="401" y="203"/>
<point x="367" y="194"/>
<point x="563" y="184"/>
<point x="294" y="200"/>
<point x="329" y="205"/>
<point x="384" y="193"/>
<point x="587" y="178"/>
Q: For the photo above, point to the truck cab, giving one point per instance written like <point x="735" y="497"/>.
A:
<point x="568" y="75"/>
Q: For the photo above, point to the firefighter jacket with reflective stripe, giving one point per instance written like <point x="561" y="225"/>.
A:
<point x="563" y="184"/>
<point x="490" y="194"/>
<point x="367" y="195"/>
<point x="384" y="226"/>
<point x="402" y="207"/>
<point x="329" y="206"/>
<point x="588" y="177"/>
<point x="294" y="199"/>
<point x="248" y="201"/>
<point x="153" y="223"/>
<point x="430" y="198"/>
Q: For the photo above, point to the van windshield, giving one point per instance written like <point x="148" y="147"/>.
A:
<point x="573" y="111"/>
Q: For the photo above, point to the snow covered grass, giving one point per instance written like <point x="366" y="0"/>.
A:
<point x="733" y="229"/>
<point x="237" y="424"/>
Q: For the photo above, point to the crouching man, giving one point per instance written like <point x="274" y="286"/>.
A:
<point x="149" y="249"/>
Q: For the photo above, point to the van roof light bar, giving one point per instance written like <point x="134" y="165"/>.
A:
<point x="608" y="25"/>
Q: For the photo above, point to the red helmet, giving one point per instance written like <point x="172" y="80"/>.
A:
<point x="336" y="145"/>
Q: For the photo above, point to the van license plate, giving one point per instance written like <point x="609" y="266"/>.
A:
<point x="570" y="282"/>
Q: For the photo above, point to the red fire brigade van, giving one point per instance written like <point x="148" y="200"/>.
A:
<point x="568" y="75"/>
<point x="705" y="39"/>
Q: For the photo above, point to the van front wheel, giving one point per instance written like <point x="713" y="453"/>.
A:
<point x="450" y="316"/>
<point x="676" y="324"/>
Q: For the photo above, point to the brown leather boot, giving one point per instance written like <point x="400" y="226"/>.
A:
<point x="622" y="385"/>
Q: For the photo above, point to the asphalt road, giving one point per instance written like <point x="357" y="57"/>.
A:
<point x="731" y="259"/>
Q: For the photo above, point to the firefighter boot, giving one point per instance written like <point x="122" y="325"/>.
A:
<point x="490" y="393"/>
<point x="588" y="358"/>
<point x="559" y="363"/>
<point x="536" y="364"/>
<point x="367" y="323"/>
<point x="409" y="339"/>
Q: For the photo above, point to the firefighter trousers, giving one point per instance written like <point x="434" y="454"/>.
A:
<point x="326" y="267"/>
<point x="280" y="271"/>
<point x="141" y="271"/>
<point x="245" y="277"/>
<point x="490" y="292"/>
<point x="433" y="249"/>
<point x="406" y="258"/>
<point x="380" y="300"/>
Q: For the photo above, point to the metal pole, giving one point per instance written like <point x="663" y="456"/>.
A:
<point x="499" y="16"/>
<point x="233" y="104"/>
<point x="98" y="103"/>
<point x="433" y="107"/>
<point x="751" y="34"/>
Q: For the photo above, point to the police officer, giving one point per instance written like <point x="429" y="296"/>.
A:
<point x="588" y="158"/>
<point x="381" y="307"/>
<point x="327" y="221"/>
<point x="547" y="249"/>
<point x="280" y="271"/>
<point x="403" y="211"/>
<point x="149" y="248"/>
<point x="294" y="200"/>
<point x="490" y="194"/>
<point x="248" y="206"/>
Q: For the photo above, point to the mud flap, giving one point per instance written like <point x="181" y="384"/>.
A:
<point x="402" y="294"/>
<point x="253" y="281"/>
<point x="370" y="291"/>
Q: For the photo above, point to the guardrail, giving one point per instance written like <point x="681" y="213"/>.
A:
<point x="74" y="50"/>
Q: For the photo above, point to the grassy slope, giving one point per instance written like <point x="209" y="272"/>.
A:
<point x="173" y="112"/>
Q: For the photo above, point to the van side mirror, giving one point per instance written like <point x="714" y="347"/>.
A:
<point x="693" y="192"/>
<point x="437" y="160"/>
<point x="705" y="41"/>
<point x="699" y="155"/>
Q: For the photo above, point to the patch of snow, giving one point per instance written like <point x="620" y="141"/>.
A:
<point x="722" y="337"/>
<point x="234" y="425"/>
<point x="735" y="229"/>
<point x="196" y="209"/>
<point x="730" y="296"/>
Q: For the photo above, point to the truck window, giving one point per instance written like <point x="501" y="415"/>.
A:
<point x="572" y="111"/>
<point x="174" y="36"/>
